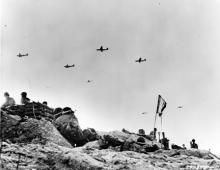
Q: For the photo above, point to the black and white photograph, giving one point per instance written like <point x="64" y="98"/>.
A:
<point x="110" y="85"/>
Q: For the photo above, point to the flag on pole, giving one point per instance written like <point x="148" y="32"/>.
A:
<point x="161" y="105"/>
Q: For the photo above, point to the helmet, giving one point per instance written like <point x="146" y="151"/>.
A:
<point x="24" y="94"/>
<point x="6" y="94"/>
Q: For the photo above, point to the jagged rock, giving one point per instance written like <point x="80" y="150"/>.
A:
<point x="53" y="156"/>
<point x="90" y="134"/>
<point x="8" y="123"/>
<point x="33" y="131"/>
<point x="68" y="126"/>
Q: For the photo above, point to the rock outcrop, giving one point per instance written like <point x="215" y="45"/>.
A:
<point x="122" y="141"/>
<point x="36" y="144"/>
<point x="30" y="131"/>
<point x="53" y="156"/>
<point x="68" y="126"/>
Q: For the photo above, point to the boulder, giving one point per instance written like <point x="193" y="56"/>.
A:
<point x="30" y="131"/>
<point x="8" y="124"/>
<point x="68" y="126"/>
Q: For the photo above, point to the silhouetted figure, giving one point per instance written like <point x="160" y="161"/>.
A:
<point x="183" y="146"/>
<point x="9" y="101"/>
<point x="165" y="142"/>
<point x="193" y="144"/>
<point x="141" y="132"/>
<point x="24" y="98"/>
<point x="57" y="112"/>
<point x="154" y="133"/>
<point x="45" y="103"/>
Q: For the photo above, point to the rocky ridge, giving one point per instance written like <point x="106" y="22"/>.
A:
<point x="30" y="143"/>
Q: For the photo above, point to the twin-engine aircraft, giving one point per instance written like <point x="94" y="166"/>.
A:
<point x="22" y="55"/>
<point x="68" y="66"/>
<point x="101" y="49"/>
<point x="140" y="60"/>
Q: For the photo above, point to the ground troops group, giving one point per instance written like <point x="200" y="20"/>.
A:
<point x="9" y="101"/>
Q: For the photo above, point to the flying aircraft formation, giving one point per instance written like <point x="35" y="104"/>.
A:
<point x="68" y="66"/>
<point x="140" y="60"/>
<point x="101" y="49"/>
<point x="22" y="55"/>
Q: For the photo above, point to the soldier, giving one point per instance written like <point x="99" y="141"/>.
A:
<point x="193" y="144"/>
<point x="9" y="101"/>
<point x="153" y="134"/>
<point x="45" y="103"/>
<point x="24" y="99"/>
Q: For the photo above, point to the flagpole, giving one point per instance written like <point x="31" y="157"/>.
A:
<point x="158" y="103"/>
<point x="155" y="119"/>
<point x="161" y="129"/>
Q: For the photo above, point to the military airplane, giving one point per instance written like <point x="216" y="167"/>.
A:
<point x="140" y="60"/>
<point x="68" y="66"/>
<point x="101" y="49"/>
<point x="22" y="55"/>
<point x="144" y="113"/>
<point x="89" y="81"/>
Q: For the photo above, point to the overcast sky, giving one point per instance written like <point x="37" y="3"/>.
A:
<point x="179" y="39"/>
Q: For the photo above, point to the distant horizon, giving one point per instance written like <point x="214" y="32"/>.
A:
<point x="180" y="41"/>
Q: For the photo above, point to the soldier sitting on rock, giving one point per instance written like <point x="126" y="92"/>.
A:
<point x="9" y="101"/>
<point x="165" y="142"/>
<point x="193" y="144"/>
<point x="24" y="99"/>
<point x="153" y="134"/>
